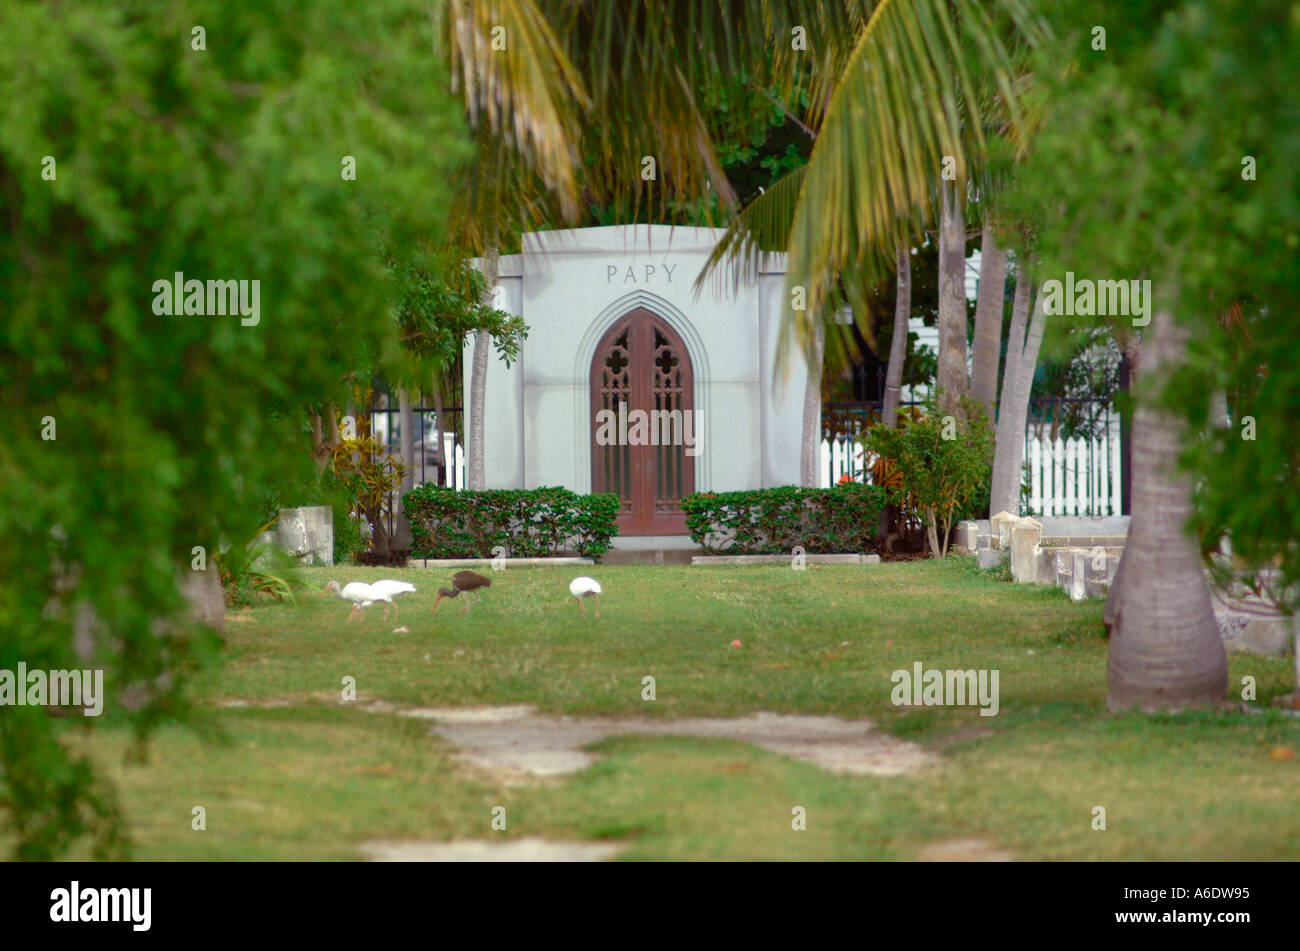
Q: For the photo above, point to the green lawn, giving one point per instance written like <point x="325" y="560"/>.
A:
<point x="312" y="779"/>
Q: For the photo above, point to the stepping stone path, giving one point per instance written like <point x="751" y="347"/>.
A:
<point x="517" y="743"/>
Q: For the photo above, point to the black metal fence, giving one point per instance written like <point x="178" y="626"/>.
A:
<point x="428" y="465"/>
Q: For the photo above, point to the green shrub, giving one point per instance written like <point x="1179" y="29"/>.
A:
<point x="845" y="518"/>
<point x="944" y="465"/>
<point x="245" y="576"/>
<point x="527" y="523"/>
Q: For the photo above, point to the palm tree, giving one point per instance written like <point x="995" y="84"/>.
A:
<point x="986" y="349"/>
<point x="898" y="342"/>
<point x="951" y="378"/>
<point x="1165" y="648"/>
<point x="1017" y="381"/>
<point x="886" y="127"/>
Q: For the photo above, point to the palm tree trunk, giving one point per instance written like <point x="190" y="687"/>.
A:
<point x="898" y="343"/>
<point x="987" y="347"/>
<point x="812" y="408"/>
<point x="1165" y="647"/>
<point x="952" y="377"/>
<point x="478" y="382"/>
<point x="1131" y="346"/>
<point x="1017" y="383"/>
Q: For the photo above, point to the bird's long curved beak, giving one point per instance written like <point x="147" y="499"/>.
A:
<point x="437" y="601"/>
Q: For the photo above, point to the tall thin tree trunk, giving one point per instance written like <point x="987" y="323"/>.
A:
<point x="898" y="343"/>
<point x="1165" y="647"/>
<point x="440" y="454"/>
<point x="406" y="419"/>
<point x="1017" y="383"/>
<point x="812" y="408"/>
<point x="987" y="348"/>
<point x="478" y="382"/>
<point x="952" y="377"/>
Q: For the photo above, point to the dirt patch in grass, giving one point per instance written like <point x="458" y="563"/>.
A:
<point x="478" y="850"/>
<point x="515" y="743"/>
<point x="963" y="850"/>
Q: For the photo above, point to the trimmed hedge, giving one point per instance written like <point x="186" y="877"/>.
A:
<point x="528" y="523"/>
<point x="845" y="518"/>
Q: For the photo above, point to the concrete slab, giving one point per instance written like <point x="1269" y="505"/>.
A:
<point x="487" y="562"/>
<point x="845" y="559"/>
<point x="639" y="542"/>
<point x="1089" y="525"/>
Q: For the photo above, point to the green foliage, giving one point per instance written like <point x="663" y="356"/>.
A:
<point x="845" y="518"/>
<point x="944" y="465"/>
<point x="244" y="574"/>
<point x="347" y="528"/>
<point x="440" y="305"/>
<point x="1173" y="156"/>
<point x="369" y="475"/>
<point x="224" y="164"/>
<point x="528" y="523"/>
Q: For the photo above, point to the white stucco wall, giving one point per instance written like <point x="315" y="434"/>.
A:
<point x="570" y="287"/>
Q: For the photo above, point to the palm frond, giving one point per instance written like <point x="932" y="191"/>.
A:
<point x="527" y="93"/>
<point x="906" y="100"/>
<point x="761" y="227"/>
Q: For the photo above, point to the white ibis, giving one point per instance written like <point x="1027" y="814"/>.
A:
<point x="463" y="581"/>
<point x="584" y="587"/>
<point x="361" y="595"/>
<point x="392" y="589"/>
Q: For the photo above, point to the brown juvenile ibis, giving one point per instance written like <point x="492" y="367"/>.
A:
<point x="463" y="581"/>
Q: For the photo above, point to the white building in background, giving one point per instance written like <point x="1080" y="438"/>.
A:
<point x="615" y="326"/>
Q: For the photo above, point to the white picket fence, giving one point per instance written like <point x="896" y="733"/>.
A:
<point x="1065" y="476"/>
<point x="454" y="453"/>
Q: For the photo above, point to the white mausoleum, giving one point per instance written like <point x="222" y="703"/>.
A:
<point x="615" y="326"/>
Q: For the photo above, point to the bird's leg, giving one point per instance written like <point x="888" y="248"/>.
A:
<point x="596" y="598"/>
<point x="355" y="609"/>
<point x="465" y="607"/>
<point x="583" y="606"/>
<point x="394" y="611"/>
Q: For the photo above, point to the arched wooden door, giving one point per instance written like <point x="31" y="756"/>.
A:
<point x="641" y="364"/>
